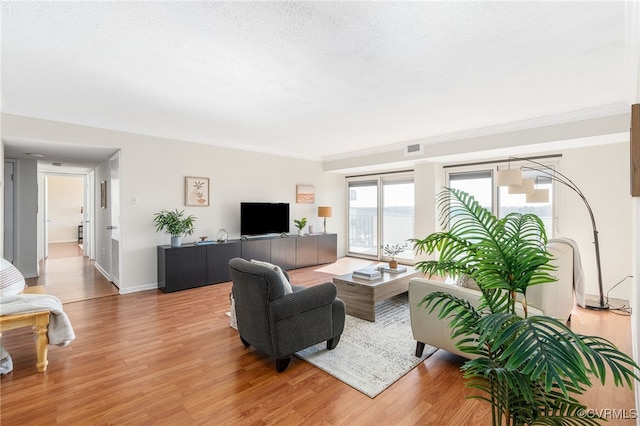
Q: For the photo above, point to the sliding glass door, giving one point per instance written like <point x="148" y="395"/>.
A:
<point x="398" y="215"/>
<point x="381" y="211"/>
<point x="363" y="218"/>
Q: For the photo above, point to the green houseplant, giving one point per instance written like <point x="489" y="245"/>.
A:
<point x="392" y="250"/>
<point x="529" y="368"/>
<point x="300" y="224"/>
<point x="174" y="223"/>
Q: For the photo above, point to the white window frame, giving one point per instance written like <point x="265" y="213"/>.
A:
<point x="380" y="181"/>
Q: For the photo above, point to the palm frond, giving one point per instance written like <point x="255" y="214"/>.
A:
<point x="529" y="369"/>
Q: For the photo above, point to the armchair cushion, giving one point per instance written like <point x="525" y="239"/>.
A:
<point x="286" y="285"/>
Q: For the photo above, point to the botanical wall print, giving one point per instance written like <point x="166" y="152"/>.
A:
<point x="305" y="194"/>
<point x="196" y="191"/>
<point x="103" y="194"/>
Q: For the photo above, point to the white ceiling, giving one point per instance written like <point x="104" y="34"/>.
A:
<point x="318" y="80"/>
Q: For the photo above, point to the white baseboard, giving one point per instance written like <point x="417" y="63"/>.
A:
<point x="102" y="271"/>
<point x="137" y="288"/>
<point x="134" y="289"/>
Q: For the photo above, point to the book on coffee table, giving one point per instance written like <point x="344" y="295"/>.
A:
<point x="367" y="273"/>
<point x="397" y="270"/>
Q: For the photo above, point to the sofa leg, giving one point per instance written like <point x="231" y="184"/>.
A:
<point x="419" y="349"/>
<point x="282" y="364"/>
<point x="332" y="343"/>
<point x="244" y="342"/>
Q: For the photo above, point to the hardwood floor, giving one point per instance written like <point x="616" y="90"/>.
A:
<point x="155" y="358"/>
<point x="69" y="276"/>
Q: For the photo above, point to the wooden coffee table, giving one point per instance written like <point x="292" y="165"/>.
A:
<point x="360" y="296"/>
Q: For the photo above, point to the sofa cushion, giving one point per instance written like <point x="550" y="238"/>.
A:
<point x="283" y="279"/>
<point x="462" y="281"/>
<point x="11" y="280"/>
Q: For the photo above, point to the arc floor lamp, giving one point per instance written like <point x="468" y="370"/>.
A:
<point x="513" y="179"/>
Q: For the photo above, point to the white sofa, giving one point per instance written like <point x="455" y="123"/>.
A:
<point x="554" y="299"/>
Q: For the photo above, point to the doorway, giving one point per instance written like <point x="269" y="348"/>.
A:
<point x="64" y="216"/>
<point x="66" y="265"/>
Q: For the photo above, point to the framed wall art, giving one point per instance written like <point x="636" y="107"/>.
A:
<point x="103" y="194"/>
<point x="305" y="194"/>
<point x="196" y="191"/>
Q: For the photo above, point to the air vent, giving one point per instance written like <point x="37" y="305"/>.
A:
<point x="415" y="149"/>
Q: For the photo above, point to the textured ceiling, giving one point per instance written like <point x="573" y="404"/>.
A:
<point x="311" y="79"/>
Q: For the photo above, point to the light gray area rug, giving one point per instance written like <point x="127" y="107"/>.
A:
<point x="371" y="356"/>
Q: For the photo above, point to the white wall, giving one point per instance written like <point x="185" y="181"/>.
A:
<point x="602" y="173"/>
<point x="153" y="171"/>
<point x="234" y="176"/>
<point x="65" y="198"/>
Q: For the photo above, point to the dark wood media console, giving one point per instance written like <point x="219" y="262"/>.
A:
<point x="197" y="265"/>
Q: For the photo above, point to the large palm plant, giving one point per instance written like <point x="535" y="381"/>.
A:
<point x="529" y="368"/>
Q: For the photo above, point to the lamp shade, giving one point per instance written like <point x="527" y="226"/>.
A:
<point x="509" y="177"/>
<point x="538" y="196"/>
<point x="525" y="188"/>
<point x="324" y="211"/>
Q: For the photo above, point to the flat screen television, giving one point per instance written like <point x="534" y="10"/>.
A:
<point x="264" y="218"/>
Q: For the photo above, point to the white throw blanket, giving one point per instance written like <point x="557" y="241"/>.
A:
<point x="60" y="332"/>
<point x="578" y="273"/>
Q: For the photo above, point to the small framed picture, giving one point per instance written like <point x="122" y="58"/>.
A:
<point x="196" y="191"/>
<point x="103" y="194"/>
<point x="305" y="194"/>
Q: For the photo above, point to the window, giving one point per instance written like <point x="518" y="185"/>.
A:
<point x="398" y="215"/>
<point x="480" y="184"/>
<point x="508" y="203"/>
<point x="381" y="211"/>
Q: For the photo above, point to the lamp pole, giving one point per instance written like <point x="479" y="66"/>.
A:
<point x="559" y="177"/>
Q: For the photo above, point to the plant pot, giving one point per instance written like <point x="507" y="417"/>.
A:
<point x="176" y="241"/>
<point x="300" y="232"/>
<point x="393" y="264"/>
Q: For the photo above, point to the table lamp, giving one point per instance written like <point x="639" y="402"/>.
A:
<point x="324" y="212"/>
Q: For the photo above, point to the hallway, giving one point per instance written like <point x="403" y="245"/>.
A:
<point x="70" y="276"/>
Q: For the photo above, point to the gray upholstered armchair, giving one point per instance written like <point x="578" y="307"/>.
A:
<point x="279" y="319"/>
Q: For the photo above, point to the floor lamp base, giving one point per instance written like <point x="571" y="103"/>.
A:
<point x="595" y="305"/>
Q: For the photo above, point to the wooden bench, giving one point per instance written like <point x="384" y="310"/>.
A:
<point x="39" y="321"/>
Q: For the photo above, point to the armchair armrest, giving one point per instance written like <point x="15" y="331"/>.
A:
<point x="303" y="300"/>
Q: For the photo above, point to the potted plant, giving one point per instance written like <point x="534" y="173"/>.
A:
<point x="393" y="250"/>
<point x="174" y="223"/>
<point x="300" y="224"/>
<point x="529" y="368"/>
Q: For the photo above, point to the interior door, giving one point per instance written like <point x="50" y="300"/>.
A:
<point x="114" y="227"/>
<point x="88" y="245"/>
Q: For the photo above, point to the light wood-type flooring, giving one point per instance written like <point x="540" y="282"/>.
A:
<point x="69" y="276"/>
<point x="172" y="359"/>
